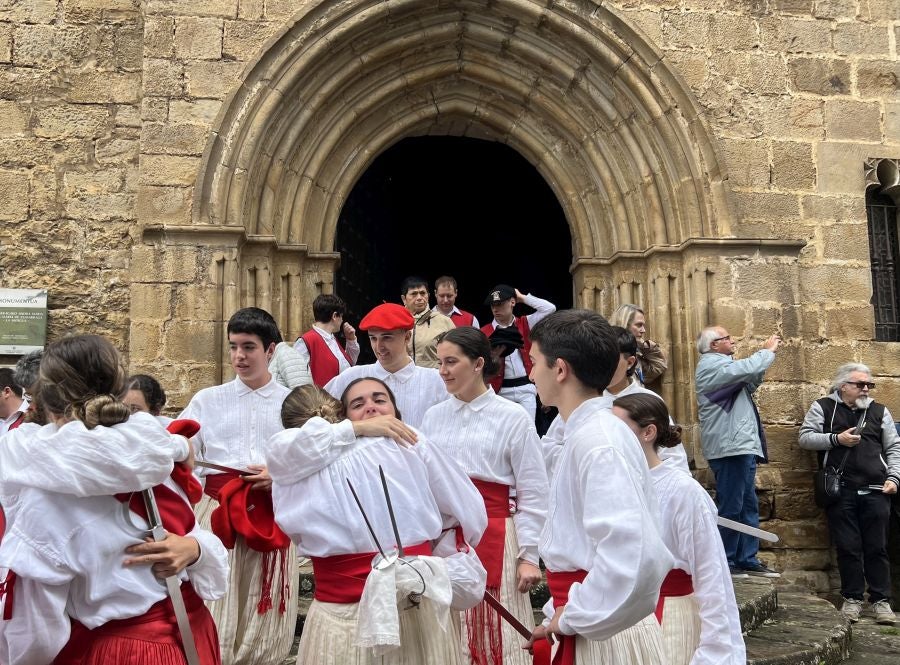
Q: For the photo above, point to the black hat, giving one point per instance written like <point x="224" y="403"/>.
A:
<point x="509" y="338"/>
<point x="500" y="293"/>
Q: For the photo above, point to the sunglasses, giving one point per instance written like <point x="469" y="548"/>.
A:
<point x="862" y="384"/>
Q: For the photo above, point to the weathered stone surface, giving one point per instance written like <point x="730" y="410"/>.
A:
<point x="34" y="11"/>
<point x="748" y="162"/>
<point x="13" y="195"/>
<point x="199" y="111"/>
<point x="168" y="170"/>
<point x="878" y="78"/>
<point x="768" y="205"/>
<point x="892" y="123"/>
<point x="164" y="205"/>
<point x="243" y="39"/>
<point x="6" y="43"/>
<point x="820" y="75"/>
<point x="13" y="118"/>
<point x="198" y="38"/>
<point x="861" y="38"/>
<point x="104" y="88"/>
<point x="173" y="138"/>
<point x="793" y="167"/>
<point x="64" y="121"/>
<point x="163" y="77"/>
<point x="212" y="79"/>
<point x="790" y="35"/>
<point x="159" y="36"/>
<point x="839" y="167"/>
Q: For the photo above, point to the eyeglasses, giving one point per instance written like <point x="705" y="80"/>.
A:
<point x="861" y="384"/>
<point x="719" y="339"/>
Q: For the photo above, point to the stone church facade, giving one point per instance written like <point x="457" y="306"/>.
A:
<point x="163" y="163"/>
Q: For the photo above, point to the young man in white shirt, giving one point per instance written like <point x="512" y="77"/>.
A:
<point x="602" y="547"/>
<point x="13" y="405"/>
<point x="318" y="346"/>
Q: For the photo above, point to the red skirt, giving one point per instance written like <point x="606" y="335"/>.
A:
<point x="150" y="639"/>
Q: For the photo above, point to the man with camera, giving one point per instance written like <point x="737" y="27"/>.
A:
<point x="853" y="433"/>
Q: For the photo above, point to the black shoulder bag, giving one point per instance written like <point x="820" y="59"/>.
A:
<point x="827" y="485"/>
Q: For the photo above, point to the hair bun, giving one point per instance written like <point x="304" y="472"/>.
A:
<point x="669" y="438"/>
<point x="104" y="410"/>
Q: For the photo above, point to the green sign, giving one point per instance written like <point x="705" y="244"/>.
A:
<point x="23" y="320"/>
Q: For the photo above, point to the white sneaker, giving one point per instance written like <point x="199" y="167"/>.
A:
<point x="883" y="613"/>
<point x="851" y="609"/>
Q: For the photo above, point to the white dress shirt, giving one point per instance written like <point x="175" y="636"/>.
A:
<point x="691" y="533"/>
<point x="514" y="367"/>
<point x="493" y="439"/>
<point x="310" y="467"/>
<point x="13" y="417"/>
<point x="235" y="422"/>
<point x="416" y="388"/>
<point x="603" y="518"/>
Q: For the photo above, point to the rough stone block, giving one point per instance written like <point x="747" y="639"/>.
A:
<point x="820" y="76"/>
<point x="197" y="112"/>
<point x="788" y="365"/>
<point x="794" y="118"/>
<point x="801" y="560"/>
<point x="117" y="151"/>
<point x="33" y="11"/>
<point x="196" y="303"/>
<point x="154" y="109"/>
<point x="214" y="80"/>
<point x="892" y="123"/>
<point x="13" y="119"/>
<point x="765" y="318"/>
<point x="778" y="402"/>
<point x="97" y="10"/>
<point x="793" y="167"/>
<point x="169" y="170"/>
<point x="164" y="205"/>
<point x="6" y="42"/>
<point x="768" y="205"/>
<point x="173" y="138"/>
<point x="879" y="10"/>
<point x="838" y="208"/>
<point x="145" y="336"/>
<point x="851" y="38"/>
<point x="223" y="8"/>
<point x="198" y="38"/>
<point x="693" y="66"/>
<point x="163" y="77"/>
<point x="732" y="32"/>
<point x="105" y="181"/>
<point x="164" y="264"/>
<point x="685" y="29"/>
<point x="888" y="393"/>
<point x="648" y="21"/>
<point x="13" y="195"/>
<point x="101" y="207"/>
<point x="835" y="245"/>
<point x="747" y="162"/>
<point x="159" y="36"/>
<point x="800" y="7"/>
<point x="121" y="48"/>
<point x="44" y="202"/>
<point x="67" y="120"/>
<point x="796" y="504"/>
<point x="851" y="321"/>
<point x="822" y="360"/>
<point x="243" y="40"/>
<point x="882" y="358"/>
<point x="835" y="283"/>
<point x="104" y="87"/>
<point x="803" y="534"/>
<point x="853" y="120"/>
<point x="836" y="8"/>
<point x="151" y="302"/>
<point x="764" y="73"/>
<point x="790" y="35"/>
<point x="878" y="78"/>
<point x="840" y="167"/>
<point x="127" y="116"/>
<point x="189" y="340"/>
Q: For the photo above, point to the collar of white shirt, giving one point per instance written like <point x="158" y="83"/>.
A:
<point x="243" y="389"/>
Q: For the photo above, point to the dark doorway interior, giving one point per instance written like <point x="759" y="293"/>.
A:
<point x="473" y="209"/>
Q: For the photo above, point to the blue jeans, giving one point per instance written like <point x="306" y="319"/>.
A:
<point x="736" y="498"/>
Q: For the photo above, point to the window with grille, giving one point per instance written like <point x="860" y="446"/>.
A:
<point x="884" y="252"/>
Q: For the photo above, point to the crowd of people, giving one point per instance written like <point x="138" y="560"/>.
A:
<point x="421" y="487"/>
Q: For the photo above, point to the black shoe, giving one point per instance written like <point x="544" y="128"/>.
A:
<point x="759" y="570"/>
<point x="737" y="573"/>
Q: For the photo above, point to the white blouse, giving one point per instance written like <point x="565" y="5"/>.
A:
<point x="67" y="553"/>
<point x="603" y="518"/>
<point x="310" y="467"/>
<point x="235" y="422"/>
<point x="692" y="535"/>
<point x="493" y="439"/>
<point x="416" y="388"/>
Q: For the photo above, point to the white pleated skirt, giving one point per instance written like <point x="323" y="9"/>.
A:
<point x="246" y="637"/>
<point x="517" y="603"/>
<point x="329" y="637"/>
<point x="642" y="644"/>
<point x="681" y="628"/>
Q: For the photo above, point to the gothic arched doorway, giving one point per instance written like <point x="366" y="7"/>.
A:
<point x="431" y="206"/>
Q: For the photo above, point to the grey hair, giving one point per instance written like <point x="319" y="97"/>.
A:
<point x="624" y="315"/>
<point x="843" y="374"/>
<point x="26" y="371"/>
<point x="706" y="337"/>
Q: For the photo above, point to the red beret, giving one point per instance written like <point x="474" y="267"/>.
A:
<point x="184" y="426"/>
<point x="389" y="316"/>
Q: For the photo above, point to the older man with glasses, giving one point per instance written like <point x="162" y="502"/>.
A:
<point x="732" y="437"/>
<point x="849" y="428"/>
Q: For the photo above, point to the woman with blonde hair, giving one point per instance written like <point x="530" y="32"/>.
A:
<point x="651" y="359"/>
<point x="83" y="568"/>
<point x="697" y="608"/>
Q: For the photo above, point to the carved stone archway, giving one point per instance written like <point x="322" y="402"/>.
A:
<point x="571" y="86"/>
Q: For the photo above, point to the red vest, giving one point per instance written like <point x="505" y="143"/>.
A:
<point x="462" y="319"/>
<point x="521" y="322"/>
<point x="322" y="363"/>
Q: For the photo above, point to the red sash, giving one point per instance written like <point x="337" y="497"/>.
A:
<point x="677" y="583"/>
<point x="341" y="578"/>
<point x="215" y="482"/>
<point x="559" y="585"/>
<point x="18" y="421"/>
<point x="150" y="639"/>
<point x="482" y="621"/>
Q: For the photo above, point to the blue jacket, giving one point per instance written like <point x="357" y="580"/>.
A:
<point x="729" y="426"/>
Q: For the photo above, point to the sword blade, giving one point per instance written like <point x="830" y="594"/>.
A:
<point x="387" y="497"/>
<point x="366" y="519"/>
<point x="507" y="615"/>
<point x="173" y="584"/>
<point x="749" y="530"/>
<point x="219" y="467"/>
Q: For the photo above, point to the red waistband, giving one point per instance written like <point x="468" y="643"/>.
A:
<point x="216" y="481"/>
<point x="495" y="495"/>
<point x="676" y="583"/>
<point x="341" y="578"/>
<point x="559" y="583"/>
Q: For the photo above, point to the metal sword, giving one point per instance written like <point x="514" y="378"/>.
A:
<point x="219" y="467"/>
<point x="173" y="584"/>
<point x="749" y="530"/>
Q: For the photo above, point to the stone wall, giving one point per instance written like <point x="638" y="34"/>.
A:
<point x="114" y="113"/>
